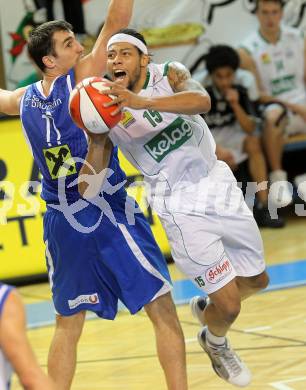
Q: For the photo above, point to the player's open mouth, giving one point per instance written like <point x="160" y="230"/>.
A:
<point x="119" y="75"/>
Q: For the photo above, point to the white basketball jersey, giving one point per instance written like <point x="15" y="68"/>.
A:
<point x="280" y="65"/>
<point x="170" y="148"/>
<point x="5" y="367"/>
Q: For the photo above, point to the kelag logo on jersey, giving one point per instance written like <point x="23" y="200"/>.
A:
<point x="171" y="138"/>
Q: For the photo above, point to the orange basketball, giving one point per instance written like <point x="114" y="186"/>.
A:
<point x="86" y="106"/>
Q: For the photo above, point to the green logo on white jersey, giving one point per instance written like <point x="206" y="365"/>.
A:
<point x="283" y="84"/>
<point x="171" y="138"/>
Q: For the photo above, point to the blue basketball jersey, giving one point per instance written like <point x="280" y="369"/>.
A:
<point x="55" y="140"/>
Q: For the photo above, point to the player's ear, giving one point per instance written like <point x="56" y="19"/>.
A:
<point x="144" y="60"/>
<point x="48" y="61"/>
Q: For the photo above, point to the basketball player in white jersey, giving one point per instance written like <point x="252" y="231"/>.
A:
<point x="213" y="236"/>
<point x="276" y="55"/>
<point x="15" y="350"/>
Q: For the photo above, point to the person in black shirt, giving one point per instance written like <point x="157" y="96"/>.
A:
<point x="232" y="121"/>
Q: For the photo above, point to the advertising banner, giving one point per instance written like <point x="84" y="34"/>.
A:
<point x="21" y="208"/>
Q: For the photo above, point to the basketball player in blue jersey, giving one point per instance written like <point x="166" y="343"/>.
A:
<point x="15" y="350"/>
<point x="94" y="256"/>
<point x="213" y="236"/>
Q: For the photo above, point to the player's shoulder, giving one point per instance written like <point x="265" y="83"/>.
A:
<point x="291" y="32"/>
<point x="157" y="72"/>
<point x="251" y="41"/>
<point x="165" y="67"/>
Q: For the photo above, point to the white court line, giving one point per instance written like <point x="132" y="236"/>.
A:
<point x="258" y="329"/>
<point x="282" y="384"/>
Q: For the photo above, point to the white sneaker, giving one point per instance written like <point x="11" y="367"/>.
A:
<point x="300" y="182"/>
<point x="197" y="305"/>
<point x="280" y="191"/>
<point x="226" y="362"/>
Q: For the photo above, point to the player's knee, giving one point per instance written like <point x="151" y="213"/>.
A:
<point x="273" y="123"/>
<point x="261" y="281"/>
<point x="252" y="145"/>
<point x="70" y="327"/>
<point x="162" y="312"/>
<point x="230" y="311"/>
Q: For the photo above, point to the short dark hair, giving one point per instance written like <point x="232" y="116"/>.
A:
<point x="41" y="42"/>
<point x="133" y="33"/>
<point x="220" y="56"/>
<point x="280" y="2"/>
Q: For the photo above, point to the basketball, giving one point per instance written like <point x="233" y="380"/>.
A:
<point x="86" y="106"/>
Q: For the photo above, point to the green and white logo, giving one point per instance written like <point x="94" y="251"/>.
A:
<point x="171" y="138"/>
<point x="283" y="84"/>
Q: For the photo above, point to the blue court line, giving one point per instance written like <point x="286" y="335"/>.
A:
<point x="282" y="276"/>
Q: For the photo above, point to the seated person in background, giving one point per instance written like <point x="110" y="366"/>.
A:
<point x="15" y="349"/>
<point x="232" y="122"/>
<point x="275" y="54"/>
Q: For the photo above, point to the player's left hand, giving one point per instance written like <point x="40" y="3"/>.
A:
<point x="123" y="97"/>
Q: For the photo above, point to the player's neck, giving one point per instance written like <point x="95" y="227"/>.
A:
<point x="138" y="86"/>
<point x="47" y="81"/>
<point x="271" y="36"/>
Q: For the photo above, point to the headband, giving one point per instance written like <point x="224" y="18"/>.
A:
<point x="121" y="37"/>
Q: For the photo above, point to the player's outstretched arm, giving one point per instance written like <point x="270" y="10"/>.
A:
<point x="15" y="345"/>
<point x="118" y="16"/>
<point x="10" y="101"/>
<point x="190" y="97"/>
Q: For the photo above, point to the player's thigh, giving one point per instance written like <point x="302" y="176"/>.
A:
<point x="138" y="269"/>
<point x="243" y="243"/>
<point x="197" y="250"/>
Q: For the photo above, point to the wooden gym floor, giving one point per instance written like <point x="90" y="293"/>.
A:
<point x="269" y="334"/>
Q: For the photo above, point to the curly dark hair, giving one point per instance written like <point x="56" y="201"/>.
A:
<point x="220" y="56"/>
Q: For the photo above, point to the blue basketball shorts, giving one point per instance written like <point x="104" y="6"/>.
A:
<point x="91" y="271"/>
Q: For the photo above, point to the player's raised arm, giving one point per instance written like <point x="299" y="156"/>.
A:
<point x="10" y="101"/>
<point x="118" y="16"/>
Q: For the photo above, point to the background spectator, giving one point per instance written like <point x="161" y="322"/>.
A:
<point x="233" y="124"/>
<point x="275" y="54"/>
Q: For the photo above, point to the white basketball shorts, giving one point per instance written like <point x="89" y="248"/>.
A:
<point x="211" y="231"/>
